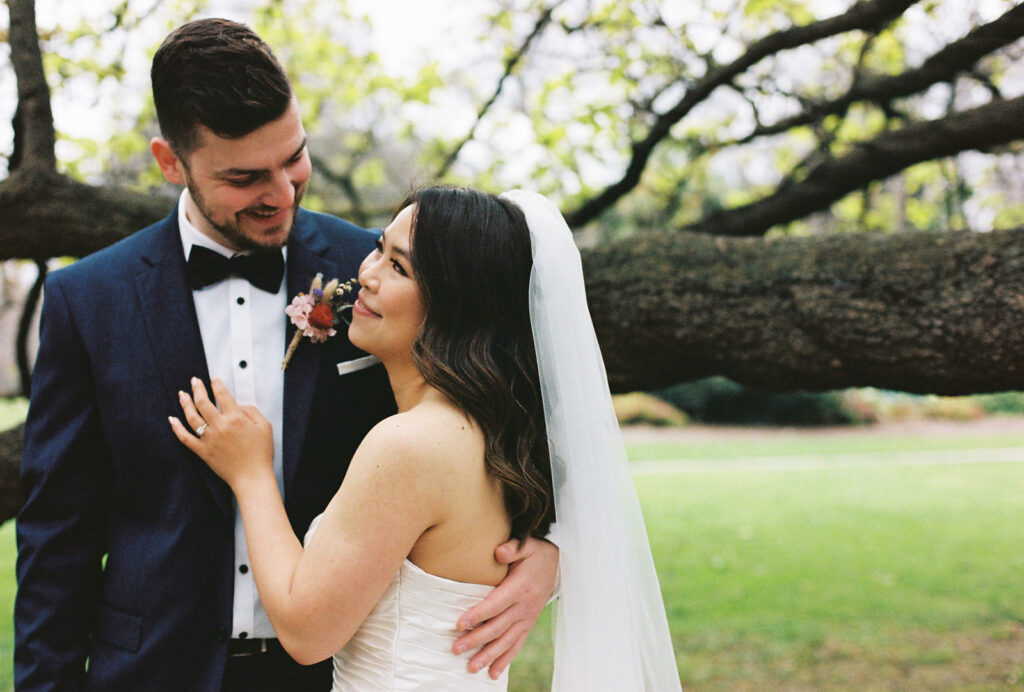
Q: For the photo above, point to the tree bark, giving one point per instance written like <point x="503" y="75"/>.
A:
<point x="35" y="118"/>
<point x="919" y="312"/>
<point x="44" y="214"/>
<point x="10" y="462"/>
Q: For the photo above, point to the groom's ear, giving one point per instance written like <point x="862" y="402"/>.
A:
<point x="170" y="165"/>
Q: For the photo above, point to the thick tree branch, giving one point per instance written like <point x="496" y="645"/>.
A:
<point x="936" y="312"/>
<point x="44" y="214"/>
<point x="918" y="312"/>
<point x="865" y="15"/>
<point x="982" y="128"/>
<point x="35" y="117"/>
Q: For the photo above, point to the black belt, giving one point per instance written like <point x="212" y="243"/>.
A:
<point x="253" y="647"/>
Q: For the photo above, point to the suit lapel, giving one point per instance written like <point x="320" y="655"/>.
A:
<point x="306" y="258"/>
<point x="169" y="316"/>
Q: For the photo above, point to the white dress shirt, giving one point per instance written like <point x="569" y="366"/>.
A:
<point x="243" y="333"/>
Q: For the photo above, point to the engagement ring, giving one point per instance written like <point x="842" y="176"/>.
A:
<point x="200" y="430"/>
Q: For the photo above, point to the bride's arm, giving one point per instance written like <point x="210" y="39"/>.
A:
<point x="317" y="597"/>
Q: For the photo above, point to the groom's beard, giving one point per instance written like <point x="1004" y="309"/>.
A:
<point x="232" y="231"/>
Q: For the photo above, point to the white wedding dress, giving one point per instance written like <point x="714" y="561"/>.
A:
<point x="405" y="643"/>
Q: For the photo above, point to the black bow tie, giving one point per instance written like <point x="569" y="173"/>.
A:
<point x="264" y="270"/>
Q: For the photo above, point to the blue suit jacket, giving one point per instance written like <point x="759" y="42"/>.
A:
<point x="125" y="540"/>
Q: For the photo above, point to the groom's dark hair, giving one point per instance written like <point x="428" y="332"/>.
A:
<point x="471" y="257"/>
<point x="219" y="74"/>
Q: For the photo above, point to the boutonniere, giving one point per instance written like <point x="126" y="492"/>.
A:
<point x="314" y="314"/>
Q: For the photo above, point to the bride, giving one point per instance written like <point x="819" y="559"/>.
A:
<point x="475" y="304"/>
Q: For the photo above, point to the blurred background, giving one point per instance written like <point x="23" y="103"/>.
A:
<point x="800" y="222"/>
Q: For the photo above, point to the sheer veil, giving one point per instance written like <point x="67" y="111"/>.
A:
<point x="611" y="632"/>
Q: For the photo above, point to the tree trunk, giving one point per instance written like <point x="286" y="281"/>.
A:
<point x="918" y="312"/>
<point x="10" y="461"/>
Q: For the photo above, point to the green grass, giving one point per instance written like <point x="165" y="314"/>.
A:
<point x="805" y="442"/>
<point x="12" y="412"/>
<point x="7" y="588"/>
<point x="854" y="578"/>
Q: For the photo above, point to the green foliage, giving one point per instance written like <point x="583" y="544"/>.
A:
<point x="1001" y="402"/>
<point x="593" y="81"/>
<point x="776" y="13"/>
<point x="12" y="412"/>
<point x="719" y="400"/>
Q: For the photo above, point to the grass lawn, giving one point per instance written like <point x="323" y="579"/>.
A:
<point x="881" y="577"/>
<point x="852" y="578"/>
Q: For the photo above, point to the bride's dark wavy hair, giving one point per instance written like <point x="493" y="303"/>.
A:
<point x="472" y="257"/>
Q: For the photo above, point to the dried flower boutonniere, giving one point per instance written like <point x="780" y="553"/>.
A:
<point x="314" y="314"/>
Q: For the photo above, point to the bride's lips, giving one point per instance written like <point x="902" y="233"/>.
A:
<point x="359" y="308"/>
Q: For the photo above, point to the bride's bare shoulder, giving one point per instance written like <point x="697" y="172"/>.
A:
<point x="432" y="434"/>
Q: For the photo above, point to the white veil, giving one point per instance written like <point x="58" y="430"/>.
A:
<point x="611" y="632"/>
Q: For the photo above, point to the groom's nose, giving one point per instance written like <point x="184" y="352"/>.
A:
<point x="281" y="190"/>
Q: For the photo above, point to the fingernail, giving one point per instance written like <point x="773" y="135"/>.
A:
<point x="459" y="648"/>
<point x="474" y="667"/>
<point x="195" y="380"/>
<point x="181" y="395"/>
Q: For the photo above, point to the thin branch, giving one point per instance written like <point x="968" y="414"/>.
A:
<point x="983" y="128"/>
<point x="510" y="65"/>
<point x="865" y="15"/>
<point x="344" y="182"/>
<point x="957" y="57"/>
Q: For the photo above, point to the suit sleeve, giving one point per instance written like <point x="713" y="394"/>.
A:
<point x="65" y="479"/>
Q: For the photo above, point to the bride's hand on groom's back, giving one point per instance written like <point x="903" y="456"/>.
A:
<point x="235" y="441"/>
<point x="501" y="621"/>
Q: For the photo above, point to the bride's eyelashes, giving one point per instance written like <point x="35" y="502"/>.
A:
<point x="395" y="264"/>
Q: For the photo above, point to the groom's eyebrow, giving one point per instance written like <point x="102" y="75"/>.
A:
<point x="230" y="172"/>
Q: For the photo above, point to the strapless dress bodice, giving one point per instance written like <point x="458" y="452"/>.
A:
<point x="405" y="643"/>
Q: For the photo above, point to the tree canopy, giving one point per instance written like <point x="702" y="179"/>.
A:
<point x="787" y="193"/>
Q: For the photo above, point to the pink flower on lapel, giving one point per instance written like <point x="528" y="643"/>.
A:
<point x="314" y="314"/>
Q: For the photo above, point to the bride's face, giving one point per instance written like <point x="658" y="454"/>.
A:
<point x="388" y="314"/>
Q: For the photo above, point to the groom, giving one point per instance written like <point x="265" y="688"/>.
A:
<point x="132" y="566"/>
